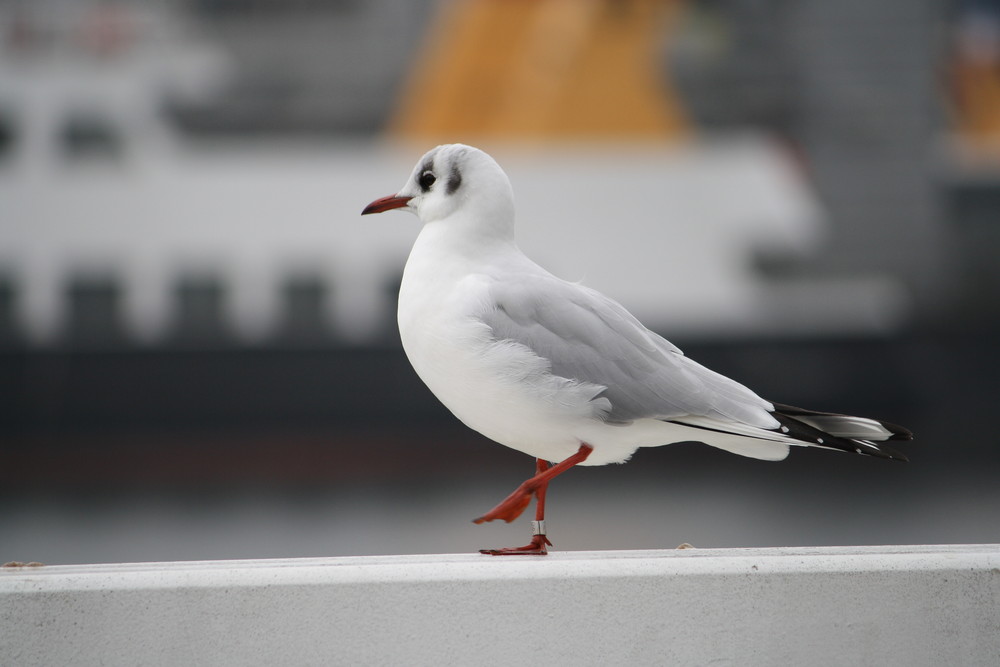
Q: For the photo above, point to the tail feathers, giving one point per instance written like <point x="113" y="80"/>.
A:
<point x="844" y="432"/>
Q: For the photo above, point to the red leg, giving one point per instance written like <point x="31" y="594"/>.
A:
<point x="540" y="467"/>
<point x="538" y="541"/>
<point x="514" y="504"/>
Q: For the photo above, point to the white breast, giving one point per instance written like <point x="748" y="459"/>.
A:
<point x="500" y="389"/>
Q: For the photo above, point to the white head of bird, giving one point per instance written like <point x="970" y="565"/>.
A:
<point x="459" y="186"/>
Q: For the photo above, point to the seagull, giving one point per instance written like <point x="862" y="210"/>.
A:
<point x="555" y="369"/>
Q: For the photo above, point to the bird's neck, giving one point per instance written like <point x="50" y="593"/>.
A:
<point x="467" y="237"/>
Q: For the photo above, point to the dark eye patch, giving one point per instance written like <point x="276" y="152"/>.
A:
<point x="454" y="181"/>
<point x="426" y="180"/>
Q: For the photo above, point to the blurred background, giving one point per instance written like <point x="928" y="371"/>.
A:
<point x="198" y="352"/>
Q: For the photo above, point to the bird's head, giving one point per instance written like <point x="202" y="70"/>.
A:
<point x="455" y="181"/>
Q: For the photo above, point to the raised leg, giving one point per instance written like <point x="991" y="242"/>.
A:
<point x="513" y="505"/>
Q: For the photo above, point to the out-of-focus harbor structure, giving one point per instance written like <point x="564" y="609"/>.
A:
<point x="198" y="356"/>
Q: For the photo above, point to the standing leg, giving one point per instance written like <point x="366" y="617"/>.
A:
<point x="514" y="504"/>
<point x="538" y="539"/>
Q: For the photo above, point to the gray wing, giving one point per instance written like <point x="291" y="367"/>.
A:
<point x="587" y="336"/>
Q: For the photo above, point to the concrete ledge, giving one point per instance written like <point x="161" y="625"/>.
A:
<point x="923" y="605"/>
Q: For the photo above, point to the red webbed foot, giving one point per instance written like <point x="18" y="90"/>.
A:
<point x="535" y="548"/>
<point x="512" y="506"/>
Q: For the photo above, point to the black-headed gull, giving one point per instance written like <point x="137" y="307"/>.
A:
<point x="555" y="369"/>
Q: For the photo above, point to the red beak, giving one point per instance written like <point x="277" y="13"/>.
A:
<point x="386" y="204"/>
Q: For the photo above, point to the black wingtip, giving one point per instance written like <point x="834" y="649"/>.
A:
<point x="810" y="435"/>
<point x="880" y="451"/>
<point x="898" y="432"/>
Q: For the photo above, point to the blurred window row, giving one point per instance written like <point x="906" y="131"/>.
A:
<point x="93" y="313"/>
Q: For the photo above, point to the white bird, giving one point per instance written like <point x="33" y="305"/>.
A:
<point x="555" y="369"/>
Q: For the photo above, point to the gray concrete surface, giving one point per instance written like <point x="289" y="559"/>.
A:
<point x="917" y="605"/>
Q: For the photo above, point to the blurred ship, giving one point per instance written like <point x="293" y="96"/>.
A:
<point x="115" y="226"/>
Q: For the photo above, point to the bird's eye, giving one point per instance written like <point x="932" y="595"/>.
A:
<point x="427" y="180"/>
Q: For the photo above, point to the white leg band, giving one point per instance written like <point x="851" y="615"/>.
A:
<point x="538" y="527"/>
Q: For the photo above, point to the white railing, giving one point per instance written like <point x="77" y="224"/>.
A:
<point x="914" y="605"/>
